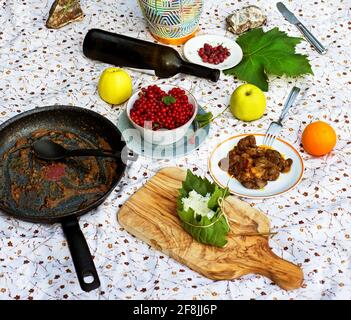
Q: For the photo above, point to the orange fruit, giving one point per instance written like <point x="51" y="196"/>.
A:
<point x="318" y="138"/>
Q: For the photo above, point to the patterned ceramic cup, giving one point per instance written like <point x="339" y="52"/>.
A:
<point x="172" y="21"/>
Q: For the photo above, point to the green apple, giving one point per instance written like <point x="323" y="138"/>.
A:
<point x="248" y="102"/>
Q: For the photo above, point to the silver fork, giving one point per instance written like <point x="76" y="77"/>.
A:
<point x="275" y="126"/>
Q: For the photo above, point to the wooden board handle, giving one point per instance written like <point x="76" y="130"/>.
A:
<point x="285" y="274"/>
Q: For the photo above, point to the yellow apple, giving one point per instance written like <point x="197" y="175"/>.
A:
<point x="115" y="86"/>
<point x="247" y="102"/>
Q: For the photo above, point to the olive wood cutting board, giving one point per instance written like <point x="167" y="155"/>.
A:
<point x="151" y="215"/>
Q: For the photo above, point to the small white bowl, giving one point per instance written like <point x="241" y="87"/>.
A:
<point x="163" y="136"/>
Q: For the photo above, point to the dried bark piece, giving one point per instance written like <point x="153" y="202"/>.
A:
<point x="64" y="12"/>
<point x="245" y="19"/>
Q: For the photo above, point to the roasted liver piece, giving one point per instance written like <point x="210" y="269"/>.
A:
<point x="255" y="165"/>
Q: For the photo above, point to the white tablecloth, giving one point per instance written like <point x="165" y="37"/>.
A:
<point x="40" y="67"/>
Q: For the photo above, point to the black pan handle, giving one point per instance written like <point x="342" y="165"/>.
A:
<point x="82" y="259"/>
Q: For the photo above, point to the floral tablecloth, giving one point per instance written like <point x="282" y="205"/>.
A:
<point x="40" y="67"/>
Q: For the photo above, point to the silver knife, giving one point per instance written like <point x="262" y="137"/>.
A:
<point x="288" y="15"/>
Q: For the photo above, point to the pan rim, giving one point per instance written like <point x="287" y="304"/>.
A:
<point x="56" y="218"/>
<point x="49" y="108"/>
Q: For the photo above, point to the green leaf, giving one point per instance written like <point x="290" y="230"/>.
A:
<point x="218" y="193"/>
<point x="204" y="119"/>
<point x="200" y="185"/>
<point x="271" y="52"/>
<point x="216" y="234"/>
<point x="167" y="100"/>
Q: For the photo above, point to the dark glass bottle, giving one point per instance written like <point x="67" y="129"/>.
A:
<point x="125" y="51"/>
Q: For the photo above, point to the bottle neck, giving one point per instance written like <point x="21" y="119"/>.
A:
<point x="200" y="71"/>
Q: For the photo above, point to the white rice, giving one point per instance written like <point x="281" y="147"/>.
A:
<point x="198" y="203"/>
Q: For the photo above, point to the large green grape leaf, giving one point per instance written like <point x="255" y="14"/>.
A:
<point x="209" y="231"/>
<point x="271" y="52"/>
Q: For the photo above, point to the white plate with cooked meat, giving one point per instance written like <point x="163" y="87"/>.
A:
<point x="254" y="171"/>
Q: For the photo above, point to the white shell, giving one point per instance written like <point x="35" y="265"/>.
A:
<point x="245" y="19"/>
